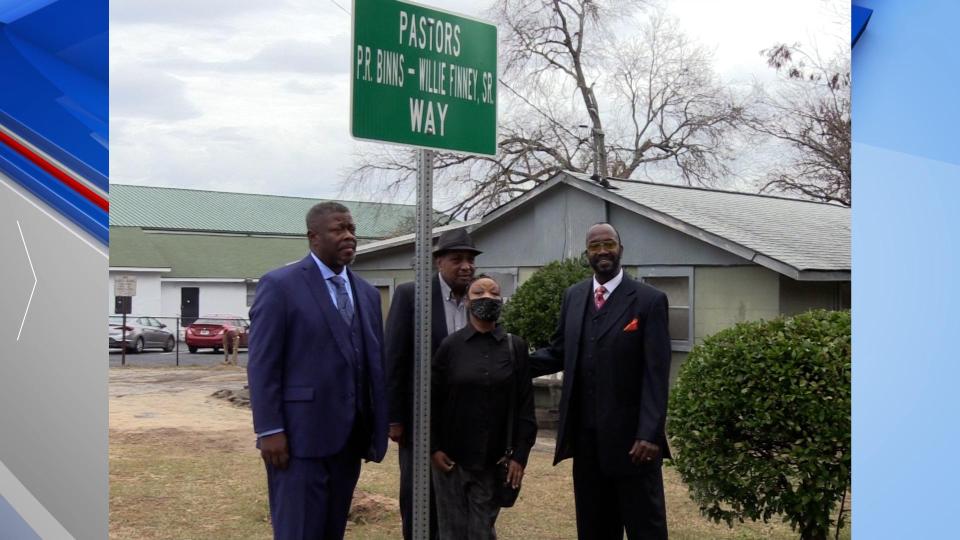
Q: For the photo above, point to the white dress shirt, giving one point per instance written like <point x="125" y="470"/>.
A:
<point x="609" y="286"/>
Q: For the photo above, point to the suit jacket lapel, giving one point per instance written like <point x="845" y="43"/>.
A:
<point x="318" y="289"/>
<point x="619" y="301"/>
<point x="578" y="304"/>
<point x="439" y="313"/>
<point x="360" y="307"/>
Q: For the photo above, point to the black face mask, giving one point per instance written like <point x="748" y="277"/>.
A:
<point x="486" y="309"/>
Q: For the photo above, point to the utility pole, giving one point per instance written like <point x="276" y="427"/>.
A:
<point x="599" y="147"/>
<point x="599" y="154"/>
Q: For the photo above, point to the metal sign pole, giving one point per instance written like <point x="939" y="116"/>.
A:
<point x="421" y="387"/>
<point x="123" y="342"/>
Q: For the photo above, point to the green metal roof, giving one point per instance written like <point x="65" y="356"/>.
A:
<point x="217" y="211"/>
<point x="131" y="247"/>
<point x="203" y="255"/>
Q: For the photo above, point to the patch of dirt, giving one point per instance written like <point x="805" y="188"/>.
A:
<point x="145" y="399"/>
<point x="240" y="398"/>
<point x="370" y="508"/>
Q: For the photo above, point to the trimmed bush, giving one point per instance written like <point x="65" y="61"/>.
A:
<point x="760" y="421"/>
<point x="533" y="311"/>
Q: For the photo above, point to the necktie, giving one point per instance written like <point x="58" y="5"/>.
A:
<point x="599" y="299"/>
<point x="343" y="299"/>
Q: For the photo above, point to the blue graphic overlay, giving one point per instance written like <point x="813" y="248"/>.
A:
<point x="12" y="525"/>
<point x="56" y="52"/>
<point x="859" y="17"/>
<point x="54" y="217"/>
<point x="905" y="79"/>
<point x="906" y="171"/>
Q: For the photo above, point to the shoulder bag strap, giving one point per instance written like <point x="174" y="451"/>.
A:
<point x="513" y="395"/>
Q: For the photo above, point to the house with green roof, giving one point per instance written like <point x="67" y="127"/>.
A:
<point x="196" y="252"/>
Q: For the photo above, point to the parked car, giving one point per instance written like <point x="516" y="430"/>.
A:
<point x="142" y="333"/>
<point x="207" y="332"/>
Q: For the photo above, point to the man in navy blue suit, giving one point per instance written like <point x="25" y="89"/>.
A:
<point x="316" y="380"/>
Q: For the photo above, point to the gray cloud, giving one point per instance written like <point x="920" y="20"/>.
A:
<point x="140" y="93"/>
<point x="192" y="12"/>
<point x="226" y="159"/>
<point x="296" y="56"/>
<point x="329" y="57"/>
<point x="298" y="86"/>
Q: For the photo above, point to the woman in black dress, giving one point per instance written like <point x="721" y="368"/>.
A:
<point x="480" y="374"/>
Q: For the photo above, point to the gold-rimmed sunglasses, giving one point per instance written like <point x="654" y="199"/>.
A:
<point x="597" y="247"/>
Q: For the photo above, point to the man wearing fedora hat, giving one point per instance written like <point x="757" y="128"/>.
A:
<point x="454" y="255"/>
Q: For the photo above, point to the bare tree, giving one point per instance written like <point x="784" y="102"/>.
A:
<point x="677" y="111"/>
<point x="810" y="112"/>
<point x="575" y="96"/>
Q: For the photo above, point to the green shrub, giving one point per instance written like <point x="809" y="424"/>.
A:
<point x="533" y="311"/>
<point x="760" y="421"/>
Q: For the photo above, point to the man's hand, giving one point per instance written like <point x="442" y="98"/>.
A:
<point x="274" y="450"/>
<point x="514" y="474"/>
<point x="644" y="452"/>
<point x="442" y="462"/>
<point x="396" y="433"/>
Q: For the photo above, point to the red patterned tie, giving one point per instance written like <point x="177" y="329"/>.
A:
<point x="599" y="300"/>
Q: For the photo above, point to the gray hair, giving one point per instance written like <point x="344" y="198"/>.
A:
<point x="322" y="210"/>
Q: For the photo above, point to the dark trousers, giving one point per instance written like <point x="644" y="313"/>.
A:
<point x="310" y="499"/>
<point x="465" y="505"/>
<point x="406" y="495"/>
<point x="609" y="504"/>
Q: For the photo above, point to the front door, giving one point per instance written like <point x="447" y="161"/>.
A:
<point x="189" y="305"/>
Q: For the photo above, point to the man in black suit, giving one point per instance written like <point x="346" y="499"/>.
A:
<point x="454" y="256"/>
<point x="613" y="345"/>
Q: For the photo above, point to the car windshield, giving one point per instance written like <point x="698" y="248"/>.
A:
<point x="216" y="321"/>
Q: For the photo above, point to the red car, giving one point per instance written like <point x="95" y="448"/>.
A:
<point x="207" y="332"/>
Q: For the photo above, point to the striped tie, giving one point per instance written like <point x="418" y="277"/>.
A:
<point x="343" y="299"/>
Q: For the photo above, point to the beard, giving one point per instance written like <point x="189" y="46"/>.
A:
<point x="605" y="265"/>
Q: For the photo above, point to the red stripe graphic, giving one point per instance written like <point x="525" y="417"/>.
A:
<point x="54" y="171"/>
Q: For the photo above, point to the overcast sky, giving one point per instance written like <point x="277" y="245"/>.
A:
<point x="253" y="96"/>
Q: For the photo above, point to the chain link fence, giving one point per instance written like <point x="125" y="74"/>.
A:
<point x="146" y="340"/>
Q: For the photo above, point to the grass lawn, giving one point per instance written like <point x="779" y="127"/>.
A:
<point x="183" y="466"/>
<point x="186" y="484"/>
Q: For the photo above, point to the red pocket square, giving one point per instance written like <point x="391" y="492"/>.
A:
<point x="631" y="326"/>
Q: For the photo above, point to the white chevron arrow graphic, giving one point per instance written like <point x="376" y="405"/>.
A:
<point x="29" y="260"/>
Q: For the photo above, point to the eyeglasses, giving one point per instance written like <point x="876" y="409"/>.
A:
<point x="597" y="247"/>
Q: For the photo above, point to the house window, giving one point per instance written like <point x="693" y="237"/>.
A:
<point x="251" y="292"/>
<point x="677" y="284"/>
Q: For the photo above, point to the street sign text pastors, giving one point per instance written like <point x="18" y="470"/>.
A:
<point x="437" y="70"/>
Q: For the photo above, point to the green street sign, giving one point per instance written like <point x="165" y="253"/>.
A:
<point x="423" y="77"/>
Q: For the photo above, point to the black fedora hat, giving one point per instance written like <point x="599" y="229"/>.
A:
<point x="455" y="240"/>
